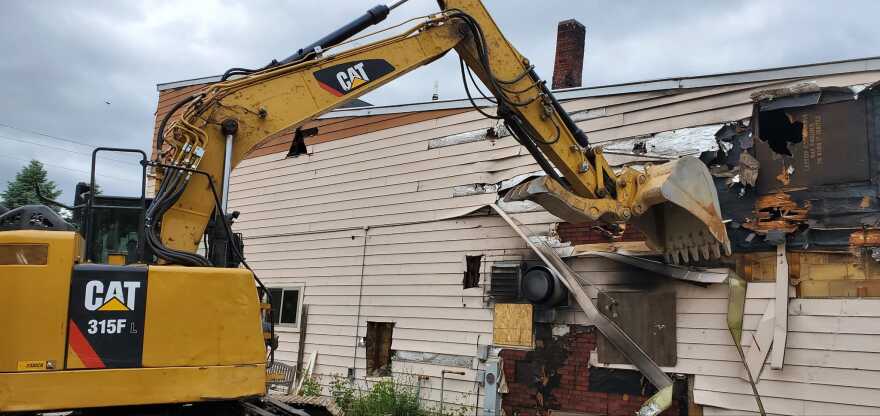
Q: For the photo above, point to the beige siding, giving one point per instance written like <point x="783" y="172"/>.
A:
<point x="369" y="226"/>
<point x="411" y="277"/>
<point x="689" y="109"/>
<point x="303" y="220"/>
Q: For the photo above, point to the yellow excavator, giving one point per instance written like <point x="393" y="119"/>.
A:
<point x="141" y="319"/>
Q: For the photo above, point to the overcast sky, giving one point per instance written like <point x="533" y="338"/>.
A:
<point x="87" y="71"/>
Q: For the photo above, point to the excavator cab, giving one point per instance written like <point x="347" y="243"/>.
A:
<point x="114" y="225"/>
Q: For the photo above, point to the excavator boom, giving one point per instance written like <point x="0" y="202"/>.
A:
<point x="676" y="206"/>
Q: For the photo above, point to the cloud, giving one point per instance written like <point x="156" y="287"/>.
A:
<point x="63" y="60"/>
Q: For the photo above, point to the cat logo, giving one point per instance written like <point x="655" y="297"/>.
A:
<point x="354" y="77"/>
<point x="343" y="78"/>
<point x="117" y="296"/>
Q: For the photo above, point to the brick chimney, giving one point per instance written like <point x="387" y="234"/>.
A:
<point x="569" y="65"/>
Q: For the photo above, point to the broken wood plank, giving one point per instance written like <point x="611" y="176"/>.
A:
<point x="633" y="247"/>
<point x="762" y="339"/>
<point x="781" y="309"/>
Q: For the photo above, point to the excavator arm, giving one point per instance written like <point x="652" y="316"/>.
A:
<point x="250" y="109"/>
<point x="674" y="204"/>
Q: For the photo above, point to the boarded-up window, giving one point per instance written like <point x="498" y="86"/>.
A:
<point x="379" y="336"/>
<point x="647" y="317"/>
<point x="472" y="271"/>
<point x="512" y="326"/>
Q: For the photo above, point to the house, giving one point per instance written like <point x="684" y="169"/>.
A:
<point x="381" y="245"/>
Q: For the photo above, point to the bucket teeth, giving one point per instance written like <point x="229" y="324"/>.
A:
<point x="687" y="250"/>
<point x="694" y="252"/>
<point x="705" y="249"/>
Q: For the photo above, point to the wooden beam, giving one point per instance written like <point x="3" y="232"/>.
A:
<point x="781" y="309"/>
<point x="301" y="347"/>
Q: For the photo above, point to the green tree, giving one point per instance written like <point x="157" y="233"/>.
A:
<point x="20" y="191"/>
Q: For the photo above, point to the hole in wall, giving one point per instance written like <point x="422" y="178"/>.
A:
<point x="778" y="129"/>
<point x="378" y="343"/>
<point x="472" y="271"/>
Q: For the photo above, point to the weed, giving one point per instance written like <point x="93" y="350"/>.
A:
<point x="310" y="387"/>
<point x="386" y="397"/>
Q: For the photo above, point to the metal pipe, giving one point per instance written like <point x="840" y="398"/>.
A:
<point x="576" y="131"/>
<point x="443" y="374"/>
<point x="357" y="324"/>
<point x="395" y="5"/>
<point x="371" y="17"/>
<point x="227" y="172"/>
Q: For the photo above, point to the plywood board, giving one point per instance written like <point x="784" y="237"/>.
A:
<point x="513" y="325"/>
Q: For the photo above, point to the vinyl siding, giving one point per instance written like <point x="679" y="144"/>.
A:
<point x="367" y="223"/>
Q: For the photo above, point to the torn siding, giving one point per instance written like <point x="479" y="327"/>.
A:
<point x="802" y="178"/>
<point x="691" y="141"/>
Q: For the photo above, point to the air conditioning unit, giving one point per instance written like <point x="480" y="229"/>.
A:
<point x="527" y="281"/>
<point x="504" y="281"/>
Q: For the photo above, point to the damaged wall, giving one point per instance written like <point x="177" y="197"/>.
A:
<point x="817" y="167"/>
<point x="830" y="359"/>
<point x="373" y="228"/>
<point x="556" y="376"/>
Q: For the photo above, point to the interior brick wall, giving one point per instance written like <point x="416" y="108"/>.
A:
<point x="559" y="378"/>
<point x="591" y="233"/>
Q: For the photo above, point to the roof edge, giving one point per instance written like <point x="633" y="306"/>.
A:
<point x="697" y="81"/>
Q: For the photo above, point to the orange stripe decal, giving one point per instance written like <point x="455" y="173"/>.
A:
<point x="330" y="89"/>
<point x="83" y="349"/>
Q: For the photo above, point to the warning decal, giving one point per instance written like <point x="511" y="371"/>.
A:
<point x="106" y="316"/>
<point x="33" y="365"/>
